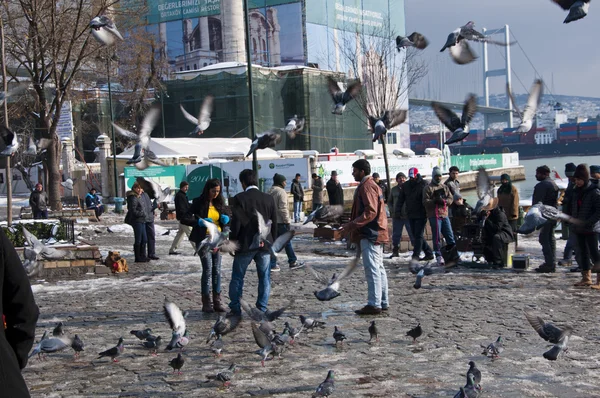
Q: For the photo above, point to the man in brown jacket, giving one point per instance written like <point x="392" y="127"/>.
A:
<point x="508" y="200"/>
<point x="436" y="199"/>
<point x="368" y="228"/>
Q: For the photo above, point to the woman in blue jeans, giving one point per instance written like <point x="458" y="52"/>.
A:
<point x="136" y="217"/>
<point x="209" y="206"/>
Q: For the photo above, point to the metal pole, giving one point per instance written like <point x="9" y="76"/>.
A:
<point x="112" y="129"/>
<point x="486" y="86"/>
<point x="508" y="74"/>
<point x="250" y="90"/>
<point x="162" y="111"/>
<point x="8" y="170"/>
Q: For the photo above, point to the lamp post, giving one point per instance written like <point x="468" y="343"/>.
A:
<point x="250" y="89"/>
<point x="112" y="128"/>
<point x="8" y="170"/>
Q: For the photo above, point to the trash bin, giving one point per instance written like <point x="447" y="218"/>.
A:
<point x="119" y="205"/>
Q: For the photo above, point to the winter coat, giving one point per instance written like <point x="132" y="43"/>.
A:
<point x="384" y="190"/>
<point x="198" y="210"/>
<point x="21" y="312"/>
<point x="281" y="204"/>
<point x="436" y="199"/>
<point x="182" y="205"/>
<point x="546" y="192"/>
<point x="244" y="223"/>
<point x="317" y="188"/>
<point x="38" y="201"/>
<point x="509" y="202"/>
<point x="135" y="209"/>
<point x="411" y="197"/>
<point x="149" y="206"/>
<point x="454" y="186"/>
<point x="369" y="219"/>
<point x="393" y="199"/>
<point x="585" y="206"/>
<point x="568" y="197"/>
<point x="297" y="190"/>
<point x="91" y="201"/>
<point x="497" y="224"/>
<point x="335" y="193"/>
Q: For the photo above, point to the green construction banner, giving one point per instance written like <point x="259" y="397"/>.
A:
<point x="164" y="175"/>
<point x="353" y="15"/>
<point x="473" y="162"/>
<point x="269" y="3"/>
<point x="173" y="10"/>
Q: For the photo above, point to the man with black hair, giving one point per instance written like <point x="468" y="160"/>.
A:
<point x="298" y="193"/>
<point x="182" y="206"/>
<point x="452" y="181"/>
<point x="399" y="217"/>
<point x="436" y="199"/>
<point x="382" y="185"/>
<point x="566" y="208"/>
<point x="546" y="192"/>
<point x="317" y="191"/>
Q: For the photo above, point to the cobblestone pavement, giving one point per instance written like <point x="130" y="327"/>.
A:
<point x="459" y="311"/>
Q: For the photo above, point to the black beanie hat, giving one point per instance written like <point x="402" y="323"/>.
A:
<point x="582" y="173"/>
<point x="278" y="179"/>
<point x="570" y="169"/>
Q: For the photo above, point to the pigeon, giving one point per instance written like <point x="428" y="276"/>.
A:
<point x="9" y="143"/>
<point x="284" y="338"/>
<point x="460" y="50"/>
<point x="177" y="363"/>
<point x="310" y="324"/>
<point x="485" y="190"/>
<point x="261" y="237"/>
<point x="452" y="39"/>
<point x="38" y="348"/>
<point x="420" y="276"/>
<point x="331" y="290"/>
<point x="77" y="345"/>
<point x="294" y="126"/>
<point x="415" y="332"/>
<point x="223" y="326"/>
<point x="53" y="344"/>
<point x="552" y="213"/>
<point x="415" y="40"/>
<point x="459" y="127"/>
<point x="533" y="220"/>
<point x="30" y="263"/>
<point x="104" y="30"/>
<point x="533" y="101"/>
<point x="142" y="154"/>
<point x="142" y="334"/>
<point x="293" y="332"/>
<point x="341" y="98"/>
<point x="258" y="316"/>
<point x="48" y="253"/>
<point x="494" y="349"/>
<point x="31" y="148"/>
<point x="178" y="341"/>
<point x="175" y="317"/>
<point x="462" y="53"/>
<point x="469" y="390"/>
<point x="58" y="330"/>
<point x="577" y="8"/>
<point x="268" y="139"/>
<point x="216" y="239"/>
<point x="390" y="119"/>
<point x="326" y="388"/>
<point x="267" y="347"/>
<point x="547" y="330"/>
<point x="325" y="214"/>
<point x="152" y="345"/>
<point x="224" y="376"/>
<point x="552" y="354"/>
<point x="203" y="121"/>
<point x="338" y="335"/>
<point x="217" y="346"/>
<point x="476" y="375"/>
<point x="373" y="331"/>
<point x="155" y="190"/>
<point x="67" y="184"/>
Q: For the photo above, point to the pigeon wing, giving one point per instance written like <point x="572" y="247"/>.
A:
<point x="260" y="337"/>
<point x="334" y="89"/>
<point x="484" y="186"/>
<point x="469" y="110"/>
<point x="282" y="240"/>
<point x="263" y="227"/>
<point x="564" y="4"/>
<point x="189" y="117"/>
<point x="33" y="242"/>
<point x="418" y="40"/>
<point x="148" y="124"/>
<point x="352" y="91"/>
<point x="349" y="268"/>
<point x="125" y="133"/>
<point x="318" y="276"/>
<point x="512" y="100"/>
<point x="212" y="229"/>
<point x="394" y="118"/>
<point x="446" y="116"/>
<point x="462" y="53"/>
<point x="174" y="317"/>
<point x="533" y="101"/>
<point x="538" y="324"/>
<point x="205" y="112"/>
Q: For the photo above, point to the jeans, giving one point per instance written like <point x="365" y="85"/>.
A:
<point x="587" y="250"/>
<point x="289" y="250"/>
<point x="151" y="239"/>
<point x="139" y="233"/>
<point x="548" y="242"/>
<point x="183" y="230"/>
<point x="211" y="270"/>
<point x="397" y="225"/>
<point x="297" y="210"/>
<point x="417" y="226"/>
<point x="569" y="246"/>
<point x="377" y="282"/>
<point x="40" y="214"/>
<point x="236" y="285"/>
<point x="440" y="226"/>
<point x="98" y="210"/>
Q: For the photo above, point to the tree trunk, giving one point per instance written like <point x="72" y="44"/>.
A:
<point x="54" y="178"/>
<point x="385" y="161"/>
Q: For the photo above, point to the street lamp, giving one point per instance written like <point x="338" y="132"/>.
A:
<point x="250" y="90"/>
<point x="112" y="129"/>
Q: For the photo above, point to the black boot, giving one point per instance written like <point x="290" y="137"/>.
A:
<point x="137" y="252"/>
<point x="143" y="256"/>
<point x="395" y="252"/>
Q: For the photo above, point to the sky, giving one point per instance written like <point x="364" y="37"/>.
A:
<point x="565" y="55"/>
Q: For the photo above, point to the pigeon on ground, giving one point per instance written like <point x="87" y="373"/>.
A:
<point x="155" y="190"/>
<point x="310" y="324"/>
<point x="390" y="119"/>
<point x="548" y="331"/>
<point x="341" y="98"/>
<point x="153" y="345"/>
<point x="58" y="330"/>
<point x="177" y="363"/>
<point x="533" y="220"/>
<point x="415" y="332"/>
<point x="268" y="139"/>
<point x="293" y="332"/>
<point x="223" y="326"/>
<point x="46" y="252"/>
<point x="178" y="341"/>
<point x="224" y="376"/>
<point x="38" y="348"/>
<point x="476" y="375"/>
<point x="175" y="317"/>
<point x="326" y="388"/>
<point x="217" y="346"/>
<point x="325" y="214"/>
<point x="203" y="121"/>
<point x="77" y="345"/>
<point x="469" y="390"/>
<point x="415" y="39"/>
<point x="419" y="280"/>
<point x="104" y="30"/>
<point x="485" y="190"/>
<point x="216" y="239"/>
<point x="53" y="344"/>
<point x="494" y="349"/>
<point x="284" y="338"/>
<point x="577" y="8"/>
<point x="338" y="335"/>
<point x="294" y="126"/>
<point x="142" y="155"/>
<point x="331" y="290"/>
<point x="373" y="331"/>
<point x="9" y="143"/>
<point x="533" y="101"/>
<point x="267" y="347"/>
<point x="261" y="237"/>
<point x="459" y="127"/>
<point x="142" y="334"/>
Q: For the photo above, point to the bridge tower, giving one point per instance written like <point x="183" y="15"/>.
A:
<point x="487" y="73"/>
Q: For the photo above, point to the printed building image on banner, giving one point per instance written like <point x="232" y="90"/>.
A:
<point x="165" y="176"/>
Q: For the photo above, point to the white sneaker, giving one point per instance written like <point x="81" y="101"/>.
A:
<point x="440" y="261"/>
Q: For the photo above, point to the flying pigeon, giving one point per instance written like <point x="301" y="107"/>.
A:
<point x="390" y="119"/>
<point x="217" y="346"/>
<point x="268" y="139"/>
<point x="104" y="30"/>
<point x="178" y="341"/>
<point x="310" y="324"/>
<point x="175" y="317"/>
<point x="552" y="213"/>
<point x="216" y="239"/>
<point x="142" y="153"/>
<point x="155" y="190"/>
<point x="31" y="148"/>
<point x="552" y="354"/>
<point x="341" y="98"/>
<point x="224" y="376"/>
<point x="533" y="220"/>
<point x="77" y="346"/>
<point x="114" y="352"/>
<point x="294" y="126"/>
<point x="68" y="184"/>
<point x="494" y="349"/>
<point x="38" y="348"/>
<point x="30" y="263"/>
<point x="459" y="127"/>
<point x="460" y="36"/>
<point x="177" y="363"/>
<point x="547" y="330"/>
<point x="261" y="237"/>
<point x="485" y="190"/>
<point x="577" y="8"/>
<point x="258" y="316"/>
<point x="331" y="290"/>
<point x="462" y="53"/>
<point x="373" y="331"/>
<point x="9" y="143"/>
<point x="203" y="120"/>
<point x="415" y="39"/>
<point x="152" y="344"/>
<point x="267" y="347"/>
<point x="58" y="330"/>
<point x="48" y="253"/>
<point x="415" y="332"/>
<point x="223" y="326"/>
<point x="338" y="335"/>
<point x="141" y="334"/>
<point x="533" y="101"/>
<point x="325" y="214"/>
<point x="326" y="388"/>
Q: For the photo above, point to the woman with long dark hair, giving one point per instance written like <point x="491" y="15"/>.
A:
<point x="136" y="217"/>
<point x="209" y="206"/>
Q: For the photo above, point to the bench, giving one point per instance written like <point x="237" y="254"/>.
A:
<point x="69" y="213"/>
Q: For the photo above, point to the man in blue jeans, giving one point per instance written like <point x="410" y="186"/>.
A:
<point x="436" y="199"/>
<point x="298" y="193"/>
<point x="244" y="225"/>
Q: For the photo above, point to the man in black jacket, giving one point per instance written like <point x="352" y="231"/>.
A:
<point x="298" y="193"/>
<point x="182" y="205"/>
<point x="334" y="190"/>
<point x="497" y="232"/>
<point x="39" y="202"/>
<point x="546" y="192"/>
<point x="244" y="226"/>
<point x="21" y="314"/>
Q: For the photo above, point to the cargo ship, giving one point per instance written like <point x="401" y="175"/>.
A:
<point x="551" y="136"/>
